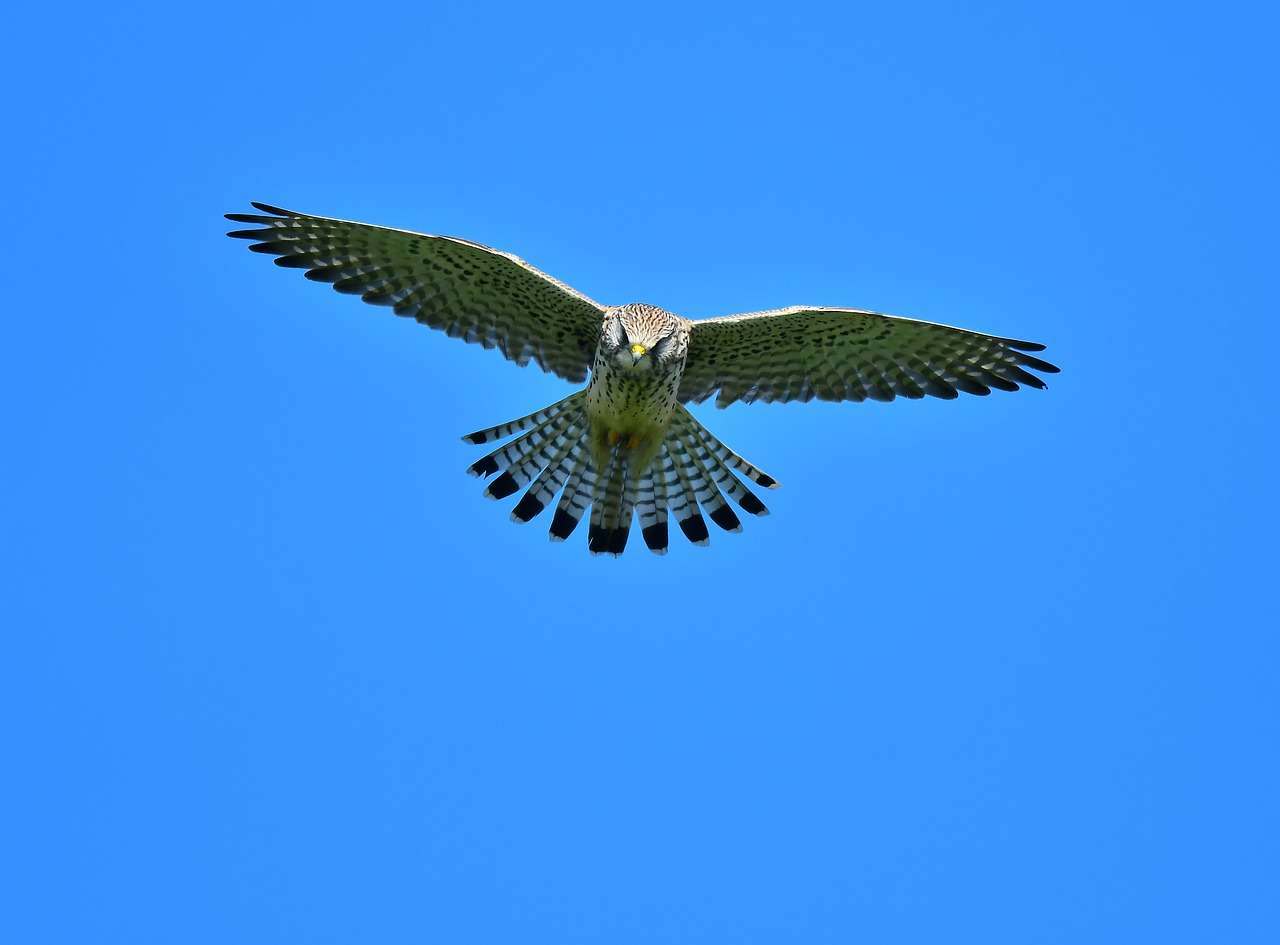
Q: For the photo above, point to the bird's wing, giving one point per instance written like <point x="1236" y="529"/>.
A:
<point x="803" y="352"/>
<point x="468" y="290"/>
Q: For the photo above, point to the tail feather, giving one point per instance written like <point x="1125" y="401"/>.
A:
<point x="677" y="501"/>
<point x="709" y="496"/>
<point x="692" y="472"/>
<point x="723" y="453"/>
<point x="573" y="501"/>
<point x="718" y="507"/>
<point x="553" y="476"/>
<point x="651" y="506"/>
<point x="696" y="438"/>
<point x="603" y="500"/>
<point x="512" y="427"/>
<point x="507" y="453"/>
<point x="685" y="509"/>
<point x="613" y="507"/>
<point x="657" y="535"/>
<point x="625" y="511"/>
<point x="526" y="462"/>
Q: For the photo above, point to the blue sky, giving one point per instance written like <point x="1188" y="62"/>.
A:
<point x="998" y="670"/>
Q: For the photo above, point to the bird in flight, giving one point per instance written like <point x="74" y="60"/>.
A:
<point x="626" y="445"/>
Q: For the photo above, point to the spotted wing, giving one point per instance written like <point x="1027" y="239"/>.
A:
<point x="470" y="291"/>
<point x="801" y="352"/>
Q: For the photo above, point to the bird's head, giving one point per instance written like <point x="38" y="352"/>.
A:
<point x="639" y="337"/>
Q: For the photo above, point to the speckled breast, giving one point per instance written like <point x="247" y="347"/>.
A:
<point x="630" y="410"/>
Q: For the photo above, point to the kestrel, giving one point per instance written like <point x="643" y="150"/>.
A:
<point x="626" y="444"/>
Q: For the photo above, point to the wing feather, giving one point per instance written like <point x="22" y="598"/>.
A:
<point x="470" y="291"/>
<point x="803" y="352"/>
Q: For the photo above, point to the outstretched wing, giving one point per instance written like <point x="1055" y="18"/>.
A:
<point x="799" y="353"/>
<point x="468" y="290"/>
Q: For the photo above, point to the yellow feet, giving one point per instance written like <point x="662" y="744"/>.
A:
<point x="629" y="441"/>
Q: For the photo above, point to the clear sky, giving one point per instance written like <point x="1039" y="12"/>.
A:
<point x="999" y="670"/>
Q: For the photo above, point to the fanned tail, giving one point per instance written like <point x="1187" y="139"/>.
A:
<point x="522" y="458"/>
<point x="512" y="427"/>
<point x="727" y="457"/>
<point x="717" y="461"/>
<point x="564" y="457"/>
<point x="691" y="472"/>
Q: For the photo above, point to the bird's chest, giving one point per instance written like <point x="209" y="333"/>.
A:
<point x="625" y="398"/>
<point x="630" y="407"/>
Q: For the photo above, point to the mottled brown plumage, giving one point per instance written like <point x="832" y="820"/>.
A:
<point x="626" y="444"/>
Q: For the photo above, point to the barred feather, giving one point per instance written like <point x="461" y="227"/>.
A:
<point x="512" y="427"/>
<point x="682" y="416"/>
<point x="655" y="536"/>
<point x="648" y="510"/>
<point x="604" y="499"/>
<point x="709" y="494"/>
<point x="700" y="443"/>
<point x="575" y="499"/>
<point x="625" y="511"/>
<point x="685" y="509"/>
<point x="692" y="473"/>
<point x="510" y="456"/>
<point x="537" y="455"/>
<point x="543" y="489"/>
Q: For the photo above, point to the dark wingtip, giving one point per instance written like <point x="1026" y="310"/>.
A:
<point x="485" y="466"/>
<point x="970" y="386"/>
<point x="1023" y="345"/>
<point x="247" y="218"/>
<point x="267" y="208"/>
<point x="328" y="275"/>
<point x="1036" y="364"/>
<point x="352" y="285"/>
<point x="752" y="504"/>
<point x="477" y="438"/>
<point x="767" y="481"/>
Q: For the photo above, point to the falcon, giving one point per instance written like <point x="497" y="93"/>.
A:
<point x="626" y="445"/>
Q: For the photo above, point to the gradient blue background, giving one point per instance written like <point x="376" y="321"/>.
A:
<point x="996" y="670"/>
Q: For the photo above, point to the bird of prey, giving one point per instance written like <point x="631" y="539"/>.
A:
<point x="626" y="444"/>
